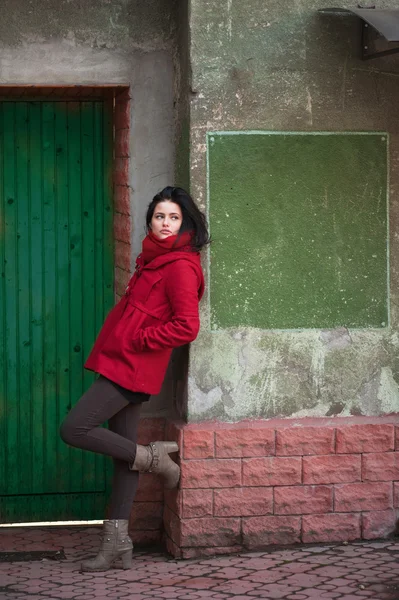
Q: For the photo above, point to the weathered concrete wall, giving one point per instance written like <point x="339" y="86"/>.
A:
<point x="182" y="96"/>
<point x="280" y="66"/>
<point x="121" y="25"/>
<point x="176" y="380"/>
<point x="97" y="42"/>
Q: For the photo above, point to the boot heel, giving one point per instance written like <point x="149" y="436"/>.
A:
<point x="127" y="560"/>
<point x="170" y="447"/>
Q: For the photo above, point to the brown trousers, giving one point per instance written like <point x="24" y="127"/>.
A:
<point x="106" y="401"/>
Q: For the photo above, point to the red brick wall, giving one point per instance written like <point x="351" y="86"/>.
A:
<point x="122" y="210"/>
<point x="252" y="484"/>
<point x="146" y="519"/>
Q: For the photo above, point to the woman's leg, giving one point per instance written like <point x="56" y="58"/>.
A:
<point x="81" y="428"/>
<point x="125" y="481"/>
<point x="100" y="403"/>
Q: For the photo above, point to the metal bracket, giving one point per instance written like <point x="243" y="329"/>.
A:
<point x="375" y="45"/>
<point x="373" y="21"/>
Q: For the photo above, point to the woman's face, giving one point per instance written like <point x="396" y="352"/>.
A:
<point x="166" y="220"/>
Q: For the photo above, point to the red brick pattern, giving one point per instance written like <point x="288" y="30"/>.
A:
<point x="122" y="199"/>
<point x="197" y="503"/>
<point x="365" y="438"/>
<point x="210" y="531"/>
<point x="146" y="519"/>
<point x="122" y="212"/>
<point x="379" y="524"/>
<point x="272" y="471"/>
<point x="380" y="467"/>
<point x="264" y="531"/>
<point x="354" y="497"/>
<point x="303" y="500"/>
<point x="301" y="441"/>
<point x="122" y="255"/>
<point x="243" y="501"/>
<point x="245" y="442"/>
<point x="211" y="473"/>
<point x="248" y="485"/>
<point x="121" y="280"/>
<point x="122" y="141"/>
<point x="330" y="528"/>
<point x="396" y="495"/>
<point x="122" y="229"/>
<point x="331" y="469"/>
<point x="199" y="444"/>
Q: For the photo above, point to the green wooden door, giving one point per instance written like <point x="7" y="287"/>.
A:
<point x="56" y="286"/>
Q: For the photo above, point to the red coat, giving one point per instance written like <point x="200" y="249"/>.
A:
<point x="158" y="312"/>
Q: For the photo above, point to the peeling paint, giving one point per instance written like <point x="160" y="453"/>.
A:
<point x="254" y="373"/>
<point x="388" y="392"/>
<point x="202" y="402"/>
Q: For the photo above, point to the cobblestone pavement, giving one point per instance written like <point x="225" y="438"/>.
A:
<point x="345" y="572"/>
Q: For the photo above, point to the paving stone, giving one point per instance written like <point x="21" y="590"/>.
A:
<point x="236" y="587"/>
<point x="222" y="562"/>
<point x="274" y="592"/>
<point x="318" y="572"/>
<point x="294" y="567"/>
<point x="260" y="563"/>
<point x="264" y="576"/>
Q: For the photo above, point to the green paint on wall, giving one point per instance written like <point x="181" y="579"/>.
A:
<point x="299" y="223"/>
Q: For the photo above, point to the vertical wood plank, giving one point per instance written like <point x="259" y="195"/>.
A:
<point x="99" y="217"/>
<point x="11" y="302"/>
<point x="2" y="313"/>
<point x="108" y="236"/>
<point x="37" y="293"/>
<point x="23" y="294"/>
<point x="98" y="142"/>
<point x="109" y="294"/>
<point x="75" y="291"/>
<point x="109" y="291"/>
<point x="88" y="272"/>
<point x="63" y="398"/>
<point x="50" y="430"/>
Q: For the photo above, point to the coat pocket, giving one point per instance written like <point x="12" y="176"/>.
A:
<point x="159" y="312"/>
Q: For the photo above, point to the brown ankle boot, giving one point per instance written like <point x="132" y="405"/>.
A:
<point x="155" y="458"/>
<point x="116" y="543"/>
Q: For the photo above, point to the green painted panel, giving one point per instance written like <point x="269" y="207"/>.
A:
<point x="57" y="284"/>
<point x="299" y="223"/>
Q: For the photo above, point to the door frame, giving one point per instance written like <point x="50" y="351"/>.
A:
<point x="118" y="99"/>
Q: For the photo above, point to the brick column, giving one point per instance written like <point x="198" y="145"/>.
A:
<point x="145" y="526"/>
<point x="252" y="484"/>
<point x="122" y="206"/>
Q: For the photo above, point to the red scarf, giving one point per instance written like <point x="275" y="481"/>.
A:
<point x="154" y="246"/>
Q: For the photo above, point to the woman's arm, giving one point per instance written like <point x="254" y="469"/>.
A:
<point x="182" y="290"/>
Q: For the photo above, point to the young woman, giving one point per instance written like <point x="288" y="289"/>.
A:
<point x="158" y="312"/>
